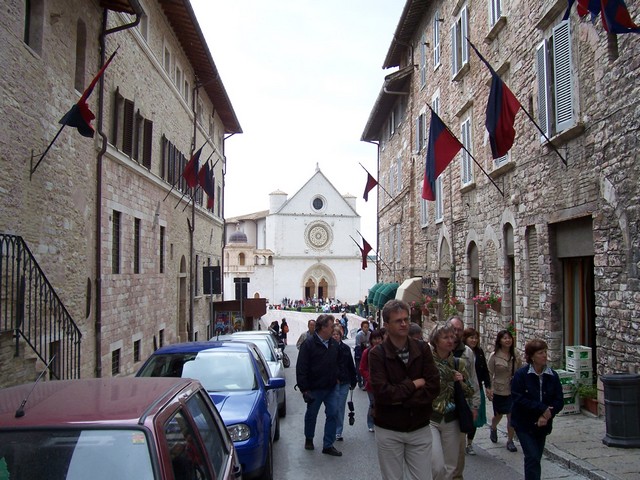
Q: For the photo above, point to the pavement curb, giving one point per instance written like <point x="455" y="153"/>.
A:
<point x="577" y="465"/>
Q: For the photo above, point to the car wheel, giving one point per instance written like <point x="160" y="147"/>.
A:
<point x="282" y="411"/>
<point x="267" y="471"/>
<point x="276" y="435"/>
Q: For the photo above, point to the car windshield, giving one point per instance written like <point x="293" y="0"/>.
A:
<point x="263" y="345"/>
<point x="75" y="454"/>
<point x="217" y="370"/>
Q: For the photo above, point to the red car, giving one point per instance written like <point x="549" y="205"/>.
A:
<point x="142" y="428"/>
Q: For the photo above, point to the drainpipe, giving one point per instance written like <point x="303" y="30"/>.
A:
<point x="224" y="222"/>
<point x="103" y="149"/>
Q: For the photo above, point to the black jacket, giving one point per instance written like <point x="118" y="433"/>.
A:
<point x="481" y="368"/>
<point x="317" y="366"/>
<point x="346" y="367"/>
<point x="530" y="400"/>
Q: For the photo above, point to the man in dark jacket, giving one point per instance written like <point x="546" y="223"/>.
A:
<point x="317" y="377"/>
<point x="405" y="381"/>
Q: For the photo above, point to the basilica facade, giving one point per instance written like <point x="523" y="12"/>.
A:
<point x="301" y="248"/>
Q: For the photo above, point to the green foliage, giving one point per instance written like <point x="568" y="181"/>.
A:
<point x="587" y="391"/>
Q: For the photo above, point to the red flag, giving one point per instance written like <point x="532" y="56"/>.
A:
<point x="442" y="147"/>
<point x="190" y="172"/>
<point x="80" y="116"/>
<point x="366" y="248"/>
<point x="205" y="180"/>
<point x="371" y="182"/>
<point x="614" y="13"/>
<point x="502" y="108"/>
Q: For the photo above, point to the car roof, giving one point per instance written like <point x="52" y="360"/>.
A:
<point x="114" y="401"/>
<point x="194" y="347"/>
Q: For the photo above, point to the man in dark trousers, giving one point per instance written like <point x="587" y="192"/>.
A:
<point x="317" y="377"/>
<point x="405" y="381"/>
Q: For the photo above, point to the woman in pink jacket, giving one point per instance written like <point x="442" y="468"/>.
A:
<point x="374" y="340"/>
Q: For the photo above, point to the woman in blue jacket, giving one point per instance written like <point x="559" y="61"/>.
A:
<point x="537" y="398"/>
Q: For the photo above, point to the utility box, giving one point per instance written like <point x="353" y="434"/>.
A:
<point x="622" y="410"/>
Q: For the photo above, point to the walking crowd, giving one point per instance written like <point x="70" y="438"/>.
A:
<point x="427" y="399"/>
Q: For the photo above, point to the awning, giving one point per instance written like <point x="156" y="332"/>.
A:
<point x="372" y="292"/>
<point x="410" y="290"/>
<point x="384" y="294"/>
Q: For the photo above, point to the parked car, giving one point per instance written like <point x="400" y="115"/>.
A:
<point x="106" y="428"/>
<point x="237" y="377"/>
<point x="272" y="335"/>
<point x="275" y="363"/>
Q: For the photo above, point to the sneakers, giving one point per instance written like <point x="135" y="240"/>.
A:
<point x="494" y="435"/>
<point x="469" y="450"/>
<point x="511" y="447"/>
<point x="339" y="438"/>
<point x="308" y="444"/>
<point x="371" y="429"/>
<point x="332" y="451"/>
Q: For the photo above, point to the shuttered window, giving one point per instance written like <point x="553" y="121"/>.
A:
<point x="556" y="96"/>
<point x="436" y="40"/>
<point x="439" y="200"/>
<point x="459" y="46"/>
<point x="423" y="60"/>
<point x="563" y="78"/>
<point x="127" y="127"/>
<point x="147" y="143"/>
<point x="420" y="132"/>
<point x="466" y="167"/>
<point x="495" y="11"/>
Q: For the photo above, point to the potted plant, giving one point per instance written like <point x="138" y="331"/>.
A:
<point x="588" y="394"/>
<point x="487" y="300"/>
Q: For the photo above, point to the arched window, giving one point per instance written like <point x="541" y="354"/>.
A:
<point x="241" y="259"/>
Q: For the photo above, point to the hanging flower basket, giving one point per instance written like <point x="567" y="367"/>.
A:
<point x="460" y="307"/>
<point x="496" y="306"/>
<point x="425" y="310"/>
<point x="482" y="307"/>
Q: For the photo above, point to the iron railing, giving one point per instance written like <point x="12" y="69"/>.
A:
<point x="31" y="309"/>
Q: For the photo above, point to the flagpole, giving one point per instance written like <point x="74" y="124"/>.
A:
<point x="553" y="147"/>
<point x="178" y="179"/>
<point x="468" y="153"/>
<point x="383" y="189"/>
<point x="33" y="169"/>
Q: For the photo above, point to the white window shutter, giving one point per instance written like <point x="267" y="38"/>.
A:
<point x="399" y="172"/>
<point x="563" y="77"/>
<point x="464" y="33"/>
<point x="436" y="40"/>
<point x="543" y="67"/>
<point x="423" y="60"/>
<point x="454" y="50"/>
<point x="424" y="209"/>
<point x="439" y="200"/>
<point x="418" y="134"/>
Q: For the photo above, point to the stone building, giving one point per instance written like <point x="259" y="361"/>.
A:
<point x="302" y="248"/>
<point x="101" y="243"/>
<point x="559" y="242"/>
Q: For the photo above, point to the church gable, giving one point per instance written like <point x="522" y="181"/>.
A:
<point x="317" y="197"/>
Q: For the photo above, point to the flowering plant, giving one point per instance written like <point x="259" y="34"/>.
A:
<point x="487" y="298"/>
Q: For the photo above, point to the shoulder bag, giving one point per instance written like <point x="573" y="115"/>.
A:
<point x="465" y="416"/>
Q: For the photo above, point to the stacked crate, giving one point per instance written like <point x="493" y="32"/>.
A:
<point x="569" y="392"/>
<point x="578" y="360"/>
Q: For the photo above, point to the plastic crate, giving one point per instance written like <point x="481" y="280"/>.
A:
<point x="579" y="365"/>
<point x="579" y="352"/>
<point x="570" y="409"/>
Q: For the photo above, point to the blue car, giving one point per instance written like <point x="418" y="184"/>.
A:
<point x="237" y="378"/>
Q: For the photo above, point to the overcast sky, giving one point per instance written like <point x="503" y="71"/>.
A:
<point x="302" y="76"/>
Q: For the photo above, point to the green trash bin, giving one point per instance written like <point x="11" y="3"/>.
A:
<point x="622" y="407"/>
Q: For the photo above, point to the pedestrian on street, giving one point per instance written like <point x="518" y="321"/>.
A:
<point x="374" y="339"/>
<point x="311" y="330"/>
<point x="346" y="378"/>
<point x="284" y="329"/>
<point x="445" y="427"/>
<point x="503" y="363"/>
<point x="405" y="381"/>
<point x="471" y="338"/>
<point x="317" y="377"/>
<point x="462" y="351"/>
<point x="362" y="342"/>
<point x="537" y="398"/>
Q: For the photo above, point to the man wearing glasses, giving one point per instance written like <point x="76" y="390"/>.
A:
<point x="405" y="381"/>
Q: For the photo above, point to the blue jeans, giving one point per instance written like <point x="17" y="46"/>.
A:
<point x="330" y="399"/>
<point x="342" y="391"/>
<point x="532" y="447"/>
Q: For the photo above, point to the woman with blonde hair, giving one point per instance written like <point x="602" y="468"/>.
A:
<point x="445" y="428"/>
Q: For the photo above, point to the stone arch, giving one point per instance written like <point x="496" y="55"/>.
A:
<point x="320" y="274"/>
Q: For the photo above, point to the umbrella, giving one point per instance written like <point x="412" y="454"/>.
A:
<point x="410" y="290"/>
<point x="385" y="294"/>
